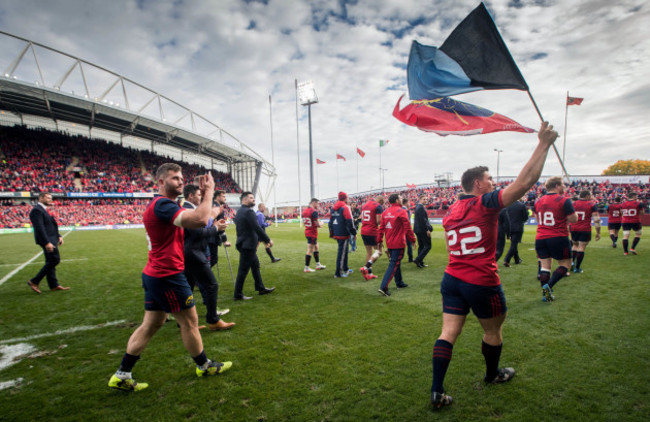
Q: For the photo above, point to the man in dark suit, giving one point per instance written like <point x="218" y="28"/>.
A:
<point x="422" y="229"/>
<point x="249" y="234"/>
<point x="197" y="264"/>
<point x="503" y="231"/>
<point x="517" y="217"/>
<point x="46" y="234"/>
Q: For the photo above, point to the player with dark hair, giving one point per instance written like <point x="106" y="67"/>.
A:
<point x="370" y="220"/>
<point x="631" y="210"/>
<point x="165" y="287"/>
<point x="554" y="211"/>
<point x="471" y="280"/>
<point x="614" y="219"/>
<point x="312" y="223"/>
<point x="422" y="229"/>
<point x="581" y="229"/>
<point x="395" y="225"/>
<point x="341" y="228"/>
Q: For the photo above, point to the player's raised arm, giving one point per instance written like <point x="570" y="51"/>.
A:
<point x="199" y="217"/>
<point x="529" y="175"/>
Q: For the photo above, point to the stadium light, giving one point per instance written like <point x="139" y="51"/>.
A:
<point x="307" y="97"/>
<point x="499" y="151"/>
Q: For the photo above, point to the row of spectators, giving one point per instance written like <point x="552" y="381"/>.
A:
<point x="38" y="160"/>
<point x="440" y="198"/>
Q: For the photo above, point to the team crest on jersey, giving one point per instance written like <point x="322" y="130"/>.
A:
<point x="388" y="225"/>
<point x="189" y="301"/>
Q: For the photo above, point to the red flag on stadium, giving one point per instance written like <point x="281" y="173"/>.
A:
<point x="340" y="157"/>
<point x="319" y="161"/>
<point x="573" y="101"/>
<point x="360" y="152"/>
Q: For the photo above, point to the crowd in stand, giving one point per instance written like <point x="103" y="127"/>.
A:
<point x="440" y="198"/>
<point x="38" y="160"/>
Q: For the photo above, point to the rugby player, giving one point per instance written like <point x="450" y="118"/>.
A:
<point x="631" y="211"/>
<point x="370" y="220"/>
<point x="471" y="280"/>
<point x="614" y="220"/>
<point x="586" y="210"/>
<point x="312" y="223"/>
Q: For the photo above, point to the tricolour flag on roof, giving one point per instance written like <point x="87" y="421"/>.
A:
<point x="474" y="57"/>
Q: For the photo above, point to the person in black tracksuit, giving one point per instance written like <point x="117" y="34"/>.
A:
<point x="220" y="239"/>
<point x="422" y="229"/>
<point x="502" y="231"/>
<point x="249" y="234"/>
<point x="517" y="217"/>
<point x="197" y="264"/>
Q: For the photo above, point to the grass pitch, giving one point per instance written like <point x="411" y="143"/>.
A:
<point x="319" y="348"/>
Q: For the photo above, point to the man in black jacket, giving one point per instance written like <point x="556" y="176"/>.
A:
<point x="422" y="229"/>
<point x="197" y="264"/>
<point x="46" y="234"/>
<point x="249" y="234"/>
<point x="220" y="238"/>
<point x="517" y="217"/>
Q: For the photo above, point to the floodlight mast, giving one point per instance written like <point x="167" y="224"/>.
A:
<point x="307" y="97"/>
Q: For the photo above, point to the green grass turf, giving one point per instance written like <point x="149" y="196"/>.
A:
<point x="325" y="349"/>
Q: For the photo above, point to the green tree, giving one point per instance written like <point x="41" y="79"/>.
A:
<point x="628" y="167"/>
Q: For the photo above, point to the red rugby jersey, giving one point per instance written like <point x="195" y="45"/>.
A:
<point x="165" y="239"/>
<point x="631" y="212"/>
<point x="584" y="210"/>
<point x="471" y="230"/>
<point x="369" y="212"/>
<point x="310" y="220"/>
<point x="614" y="213"/>
<point x="551" y="211"/>
<point x="396" y="226"/>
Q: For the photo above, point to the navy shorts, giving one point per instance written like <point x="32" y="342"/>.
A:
<point x="632" y="226"/>
<point x="369" y="240"/>
<point x="581" y="236"/>
<point x="170" y="294"/>
<point x="614" y="226"/>
<point x="312" y="240"/>
<point x="458" y="297"/>
<point x="554" y="247"/>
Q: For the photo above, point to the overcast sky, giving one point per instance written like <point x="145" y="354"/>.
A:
<point x="223" y="58"/>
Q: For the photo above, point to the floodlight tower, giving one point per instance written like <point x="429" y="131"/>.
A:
<point x="307" y="97"/>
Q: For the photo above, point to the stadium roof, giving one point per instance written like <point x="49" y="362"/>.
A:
<point x="81" y="92"/>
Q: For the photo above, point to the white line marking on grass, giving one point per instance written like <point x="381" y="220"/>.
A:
<point x="11" y="353"/>
<point x="8" y="276"/>
<point x="9" y="384"/>
<point x="66" y="331"/>
<point x="63" y="260"/>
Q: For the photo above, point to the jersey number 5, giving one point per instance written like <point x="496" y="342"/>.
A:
<point x="465" y="248"/>
<point x="365" y="215"/>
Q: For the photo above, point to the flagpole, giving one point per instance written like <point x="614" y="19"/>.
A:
<point x="566" y="174"/>
<point x="380" y="163"/>
<point x="337" y="173"/>
<point x="298" y="156"/>
<point x="566" y="113"/>
<point x="357" y="146"/>
<point x="275" y="208"/>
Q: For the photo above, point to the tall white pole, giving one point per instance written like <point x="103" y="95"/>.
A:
<point x="566" y="113"/>
<point x="337" y="174"/>
<point x="357" y="167"/>
<point x="275" y="209"/>
<point x="298" y="158"/>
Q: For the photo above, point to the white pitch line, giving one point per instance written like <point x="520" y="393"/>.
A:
<point x="8" y="276"/>
<point x="66" y="331"/>
<point x="8" y="384"/>
<point x="63" y="260"/>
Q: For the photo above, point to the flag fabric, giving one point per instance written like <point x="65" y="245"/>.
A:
<point x="573" y="101"/>
<point x="383" y="142"/>
<point x="408" y="185"/>
<point x="360" y="152"/>
<point x="319" y="161"/>
<point x="473" y="58"/>
<point x="340" y="157"/>
<point x="446" y="116"/>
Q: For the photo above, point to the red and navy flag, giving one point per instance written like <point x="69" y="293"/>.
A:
<point x="573" y="101"/>
<point x="360" y="152"/>
<point x="474" y="57"/>
<point x="340" y="157"/>
<point x="446" y="116"/>
<point x="319" y="161"/>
